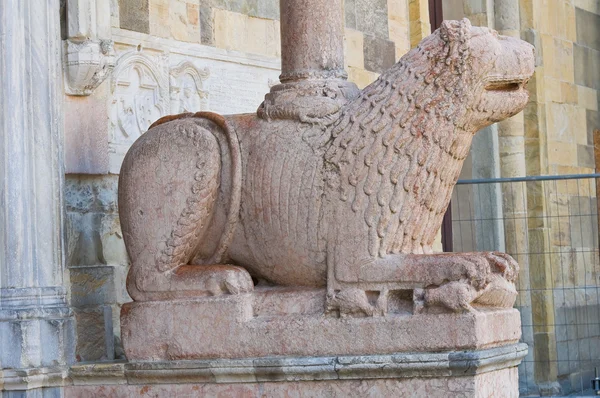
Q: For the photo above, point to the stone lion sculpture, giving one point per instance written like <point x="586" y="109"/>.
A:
<point x="351" y="200"/>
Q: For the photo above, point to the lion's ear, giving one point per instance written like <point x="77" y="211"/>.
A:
<point x="456" y="34"/>
<point x="455" y="30"/>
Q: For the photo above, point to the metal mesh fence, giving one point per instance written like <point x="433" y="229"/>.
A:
<point x="550" y="226"/>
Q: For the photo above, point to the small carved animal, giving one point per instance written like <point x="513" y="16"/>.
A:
<point x="352" y="200"/>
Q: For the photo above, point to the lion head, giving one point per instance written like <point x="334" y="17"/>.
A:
<point x="494" y="71"/>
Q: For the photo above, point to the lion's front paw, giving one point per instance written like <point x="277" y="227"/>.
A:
<point x="230" y="281"/>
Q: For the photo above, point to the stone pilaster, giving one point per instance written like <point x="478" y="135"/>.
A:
<point x="36" y="323"/>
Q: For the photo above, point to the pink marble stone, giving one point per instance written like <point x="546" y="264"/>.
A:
<point x="347" y="198"/>
<point x="241" y="326"/>
<point x="500" y="383"/>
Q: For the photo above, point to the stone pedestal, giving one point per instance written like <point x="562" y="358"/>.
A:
<point x="283" y="340"/>
<point x="276" y="322"/>
<point x="471" y="373"/>
<point x="36" y="324"/>
<point x="384" y="313"/>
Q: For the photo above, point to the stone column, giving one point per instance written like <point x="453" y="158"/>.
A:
<point x="312" y="62"/>
<point x="487" y="198"/>
<point x="36" y="323"/>
<point x="312" y="40"/>
<point x="526" y="231"/>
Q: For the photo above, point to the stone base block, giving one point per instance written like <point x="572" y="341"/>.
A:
<point x="472" y="373"/>
<point x="496" y="384"/>
<point x="35" y="338"/>
<point x="276" y="322"/>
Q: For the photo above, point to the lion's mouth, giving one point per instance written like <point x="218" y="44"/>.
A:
<point x="506" y="84"/>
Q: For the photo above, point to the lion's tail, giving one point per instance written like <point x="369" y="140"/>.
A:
<point x="236" y="176"/>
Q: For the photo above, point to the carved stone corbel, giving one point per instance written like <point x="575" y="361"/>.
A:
<point x="87" y="65"/>
<point x="88" y="55"/>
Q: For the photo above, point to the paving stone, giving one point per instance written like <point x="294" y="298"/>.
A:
<point x="379" y="54"/>
<point x="134" y="15"/>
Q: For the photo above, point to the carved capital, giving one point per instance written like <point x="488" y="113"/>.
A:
<point x="87" y="65"/>
<point x="307" y="100"/>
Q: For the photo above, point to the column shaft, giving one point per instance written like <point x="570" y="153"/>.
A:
<point x="313" y="80"/>
<point x="312" y="39"/>
<point x="35" y="321"/>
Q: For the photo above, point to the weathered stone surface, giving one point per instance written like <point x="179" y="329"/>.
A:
<point x="398" y="296"/>
<point x="86" y="132"/>
<point x="587" y="66"/>
<point x="353" y="50"/>
<point x="268" y="9"/>
<point x="235" y="31"/>
<point x="313" y="80"/>
<point x="93" y="239"/>
<point x="372" y="17"/>
<point x="207" y="25"/>
<point x="361" y="77"/>
<point x="92" y="285"/>
<point x="134" y="15"/>
<point x="246" y="329"/>
<point x="350" y="13"/>
<point x="95" y="334"/>
<point x="88" y="50"/>
<point x="588" y="28"/>
<point x="156" y="247"/>
<point x="497" y="383"/>
<point x="91" y="194"/>
<point x="379" y="54"/>
<point x="592" y="120"/>
<point x="248" y="7"/>
<point x="585" y="156"/>
<point x="420" y="26"/>
<point x="184" y="20"/>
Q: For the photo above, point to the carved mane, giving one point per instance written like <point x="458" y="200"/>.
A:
<point x="400" y="146"/>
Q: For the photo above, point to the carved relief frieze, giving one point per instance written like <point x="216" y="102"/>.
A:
<point x="187" y="88"/>
<point x="143" y="89"/>
<point x="139" y="96"/>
